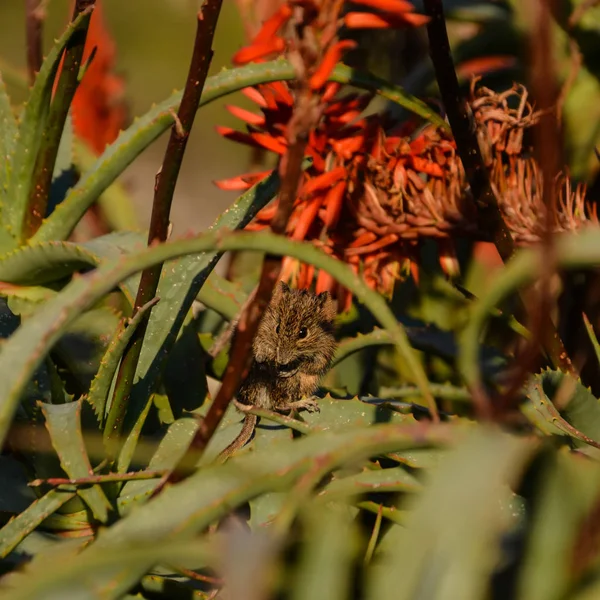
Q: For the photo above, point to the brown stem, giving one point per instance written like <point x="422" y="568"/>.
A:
<point x="464" y="130"/>
<point x="34" y="18"/>
<point x="463" y="127"/>
<point x="108" y="478"/>
<point x="164" y="189"/>
<point x="241" y="357"/>
<point x="547" y="148"/>
<point x="290" y="170"/>
<point x="59" y="109"/>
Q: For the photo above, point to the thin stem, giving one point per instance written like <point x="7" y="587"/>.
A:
<point x="108" y="478"/>
<point x="241" y="356"/>
<point x="164" y="189"/>
<point x="462" y="123"/>
<point x="240" y="359"/>
<point x="59" y="109"/>
<point x="489" y="215"/>
<point x="34" y="18"/>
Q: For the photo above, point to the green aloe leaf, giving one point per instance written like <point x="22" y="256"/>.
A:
<point x="170" y="450"/>
<point x="101" y="385"/>
<point x="225" y="297"/>
<point x="115" y="203"/>
<point x="8" y="139"/>
<point x="560" y="512"/>
<point x="24" y="351"/>
<point x="579" y="417"/>
<point x="184" y="378"/>
<point x="25" y="299"/>
<point x="24" y="523"/>
<point x="49" y="574"/>
<point x="395" y="479"/>
<point x="157" y="120"/>
<point x="326" y="560"/>
<point x="32" y="123"/>
<point x="64" y="158"/>
<point x="425" y="559"/>
<point x="183" y="510"/>
<point x="63" y="422"/>
<point x="593" y="338"/>
<point x="42" y="263"/>
<point x="114" y="245"/>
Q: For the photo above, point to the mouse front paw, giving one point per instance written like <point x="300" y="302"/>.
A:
<point x="309" y="404"/>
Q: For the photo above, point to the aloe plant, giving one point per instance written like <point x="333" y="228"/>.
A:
<point x="423" y="474"/>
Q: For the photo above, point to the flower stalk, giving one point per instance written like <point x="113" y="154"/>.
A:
<point x="164" y="189"/>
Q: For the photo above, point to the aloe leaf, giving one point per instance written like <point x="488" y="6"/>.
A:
<point x="393" y="480"/>
<point x="24" y="523"/>
<point x="184" y="378"/>
<point x="183" y="510"/>
<point x="43" y="263"/>
<point x="326" y="560"/>
<point x="579" y="419"/>
<point x="24" y="351"/>
<point x="32" y="123"/>
<point x="560" y="511"/>
<point x="115" y="203"/>
<point x="63" y="422"/>
<point x="64" y="158"/>
<point x="157" y="120"/>
<point x="101" y="384"/>
<point x="225" y="297"/>
<point x="131" y="442"/>
<point x="64" y="176"/>
<point x="54" y="577"/>
<point x="474" y="522"/>
<point x="334" y="413"/>
<point x="25" y="299"/>
<point x="116" y="244"/>
<point x="592" y="335"/>
<point x="170" y="450"/>
<point x="8" y="138"/>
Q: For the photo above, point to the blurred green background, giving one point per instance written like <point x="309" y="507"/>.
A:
<point x="154" y="40"/>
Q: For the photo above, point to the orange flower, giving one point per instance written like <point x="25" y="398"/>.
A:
<point x="376" y="187"/>
<point x="99" y="109"/>
<point x="393" y="13"/>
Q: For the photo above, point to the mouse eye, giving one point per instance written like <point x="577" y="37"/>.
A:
<point x="277" y="328"/>
<point x="303" y="332"/>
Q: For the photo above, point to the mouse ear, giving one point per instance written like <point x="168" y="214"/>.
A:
<point x="326" y="306"/>
<point x="280" y="289"/>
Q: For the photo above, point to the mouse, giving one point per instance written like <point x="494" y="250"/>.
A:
<point x="291" y="351"/>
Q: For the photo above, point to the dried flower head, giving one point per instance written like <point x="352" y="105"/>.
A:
<point x="377" y="187"/>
